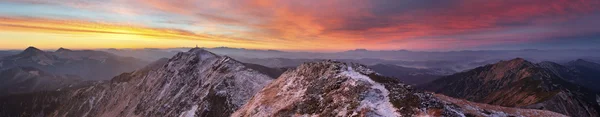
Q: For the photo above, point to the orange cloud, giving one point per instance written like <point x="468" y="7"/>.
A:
<point x="95" y="30"/>
<point x="78" y="26"/>
<point x="342" y="24"/>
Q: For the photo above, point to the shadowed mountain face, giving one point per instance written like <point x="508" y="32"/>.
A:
<point x="90" y="65"/>
<point x="27" y="79"/>
<point x="580" y="72"/>
<point x="410" y="75"/>
<point x="271" y="72"/>
<point x="520" y="83"/>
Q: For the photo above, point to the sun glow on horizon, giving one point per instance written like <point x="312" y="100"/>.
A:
<point x="19" y="33"/>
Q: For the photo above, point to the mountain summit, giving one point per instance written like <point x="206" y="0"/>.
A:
<point x="31" y="55"/>
<point x="32" y="51"/>
<point x="520" y="83"/>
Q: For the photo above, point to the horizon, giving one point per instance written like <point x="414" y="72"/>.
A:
<point x="302" y="26"/>
<point x="293" y="51"/>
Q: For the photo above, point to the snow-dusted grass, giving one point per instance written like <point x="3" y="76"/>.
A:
<point x="190" y="113"/>
<point x="376" y="99"/>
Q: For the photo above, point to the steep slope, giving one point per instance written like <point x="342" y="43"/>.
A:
<point x="519" y="83"/>
<point x="193" y="83"/>
<point x="91" y="65"/>
<point x="331" y="88"/>
<point x="26" y="79"/>
<point x="410" y="75"/>
<point x="579" y="71"/>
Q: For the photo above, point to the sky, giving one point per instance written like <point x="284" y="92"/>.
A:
<point x="302" y="25"/>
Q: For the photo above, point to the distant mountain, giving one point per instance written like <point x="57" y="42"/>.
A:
<point x="455" y="60"/>
<point x="90" y="65"/>
<point x="27" y="79"/>
<point x="271" y="72"/>
<point x="580" y="72"/>
<point x="442" y="65"/>
<point x="193" y="83"/>
<point x="7" y="53"/>
<point x="408" y="75"/>
<point x="520" y="83"/>
<point x="144" y="54"/>
<point x="330" y="88"/>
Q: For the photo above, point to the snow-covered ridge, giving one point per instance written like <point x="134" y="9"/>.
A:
<point x="330" y="88"/>
<point x="376" y="98"/>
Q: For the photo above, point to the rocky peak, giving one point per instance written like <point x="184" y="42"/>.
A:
<point x="197" y="52"/>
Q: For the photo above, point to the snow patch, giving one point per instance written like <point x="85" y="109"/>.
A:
<point x="376" y="99"/>
<point x="598" y="99"/>
<point x="35" y="73"/>
<point x="162" y="91"/>
<point x="190" y="113"/>
<point x="455" y="111"/>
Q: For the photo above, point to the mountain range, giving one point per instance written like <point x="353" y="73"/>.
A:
<point x="27" y="79"/>
<point x="455" y="60"/>
<point x="409" y="75"/>
<point x="566" y="89"/>
<point x="405" y="55"/>
<point x="201" y="83"/>
<point x="88" y="64"/>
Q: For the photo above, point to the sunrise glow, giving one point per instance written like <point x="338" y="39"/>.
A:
<point x="301" y="25"/>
